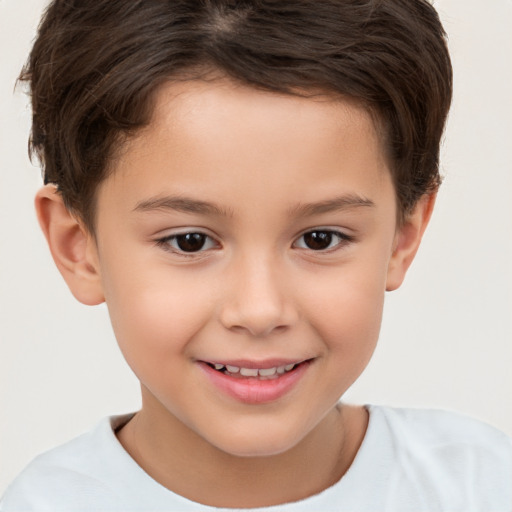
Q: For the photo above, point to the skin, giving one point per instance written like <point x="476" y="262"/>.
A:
<point x="275" y="167"/>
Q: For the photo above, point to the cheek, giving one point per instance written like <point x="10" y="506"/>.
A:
<point x="352" y="323"/>
<point x="347" y="309"/>
<point x="349" y="327"/>
<point x="154" y="314"/>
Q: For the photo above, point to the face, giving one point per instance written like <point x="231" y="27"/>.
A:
<point x="243" y="243"/>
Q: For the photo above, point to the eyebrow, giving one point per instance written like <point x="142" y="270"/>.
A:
<point x="189" y="205"/>
<point x="345" y="202"/>
<point x="180" y="204"/>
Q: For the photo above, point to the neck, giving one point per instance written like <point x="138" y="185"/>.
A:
<point x="179" y="459"/>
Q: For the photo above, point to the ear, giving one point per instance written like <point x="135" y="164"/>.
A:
<point x="73" y="248"/>
<point x="407" y="241"/>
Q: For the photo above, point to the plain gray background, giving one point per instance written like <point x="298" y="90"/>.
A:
<point x="446" y="336"/>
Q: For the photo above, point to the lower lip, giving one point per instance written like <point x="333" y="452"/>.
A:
<point x="251" y="390"/>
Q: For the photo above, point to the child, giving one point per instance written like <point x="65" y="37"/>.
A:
<point x="241" y="182"/>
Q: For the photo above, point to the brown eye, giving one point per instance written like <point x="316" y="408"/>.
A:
<point x="187" y="243"/>
<point x="318" y="240"/>
<point x="322" y="240"/>
<point x="190" y="242"/>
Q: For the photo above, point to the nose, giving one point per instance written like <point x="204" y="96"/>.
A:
<point x="258" y="298"/>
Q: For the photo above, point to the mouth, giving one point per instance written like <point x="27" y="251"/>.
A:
<point x="266" y="373"/>
<point x="255" y="383"/>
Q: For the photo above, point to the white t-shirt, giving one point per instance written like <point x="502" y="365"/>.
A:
<point x="410" y="460"/>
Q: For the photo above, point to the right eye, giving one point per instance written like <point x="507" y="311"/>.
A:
<point x="191" y="242"/>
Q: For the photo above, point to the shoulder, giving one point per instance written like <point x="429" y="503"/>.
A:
<point x="450" y="455"/>
<point x="68" y="477"/>
<point x="437" y="428"/>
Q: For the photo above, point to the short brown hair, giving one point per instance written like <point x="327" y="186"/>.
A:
<point x="96" y="64"/>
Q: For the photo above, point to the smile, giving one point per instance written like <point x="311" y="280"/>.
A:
<point x="262" y="373"/>
<point x="250" y="384"/>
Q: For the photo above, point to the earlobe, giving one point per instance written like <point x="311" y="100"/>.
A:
<point x="407" y="241"/>
<point x="73" y="248"/>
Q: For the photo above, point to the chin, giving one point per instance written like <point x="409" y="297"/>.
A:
<point x="257" y="443"/>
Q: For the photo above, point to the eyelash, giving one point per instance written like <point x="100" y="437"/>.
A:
<point x="167" y="241"/>
<point x="343" y="239"/>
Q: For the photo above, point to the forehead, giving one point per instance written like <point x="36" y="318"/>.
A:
<point x="219" y="138"/>
<point x="206" y="107"/>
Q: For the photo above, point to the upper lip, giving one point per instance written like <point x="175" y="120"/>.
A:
<point x="261" y="365"/>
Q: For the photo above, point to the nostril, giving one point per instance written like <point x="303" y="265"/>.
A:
<point x="258" y="331"/>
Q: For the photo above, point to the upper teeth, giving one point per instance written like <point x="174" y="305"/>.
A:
<point x="254" y="372"/>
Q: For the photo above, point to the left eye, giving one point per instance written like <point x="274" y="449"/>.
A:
<point x="321" y="240"/>
<point x="188" y="242"/>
